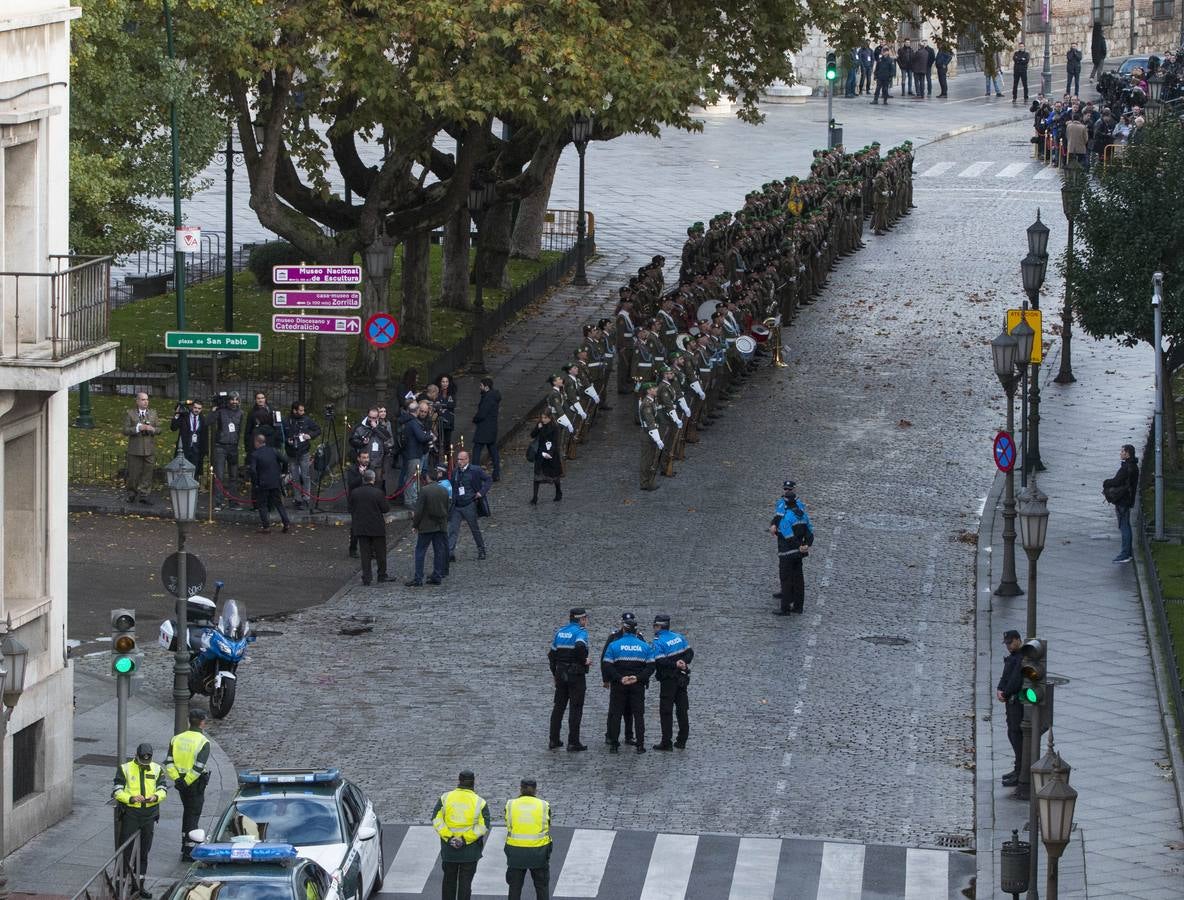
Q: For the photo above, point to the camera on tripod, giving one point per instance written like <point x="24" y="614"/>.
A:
<point x="329" y="409"/>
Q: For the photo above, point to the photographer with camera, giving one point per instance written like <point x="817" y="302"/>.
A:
<point x="375" y="438"/>
<point x="227" y="427"/>
<point x="300" y="430"/>
<point x="194" y="434"/>
<point x="262" y="419"/>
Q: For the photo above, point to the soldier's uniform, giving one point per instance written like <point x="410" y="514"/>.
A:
<point x="650" y="437"/>
<point x="667" y="411"/>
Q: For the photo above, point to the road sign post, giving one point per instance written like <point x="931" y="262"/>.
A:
<point x="242" y="342"/>
<point x="1004" y="450"/>
<point x="299" y="324"/>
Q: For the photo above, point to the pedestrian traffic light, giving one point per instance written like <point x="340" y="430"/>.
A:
<point x="123" y="642"/>
<point x="1035" y="671"/>
<point x="832" y="66"/>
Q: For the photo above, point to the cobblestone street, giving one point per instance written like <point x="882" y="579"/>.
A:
<point x="852" y="722"/>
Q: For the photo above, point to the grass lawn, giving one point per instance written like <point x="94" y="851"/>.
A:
<point x="96" y="454"/>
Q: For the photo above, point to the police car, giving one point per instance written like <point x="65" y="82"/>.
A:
<point x="325" y="817"/>
<point x="252" y="870"/>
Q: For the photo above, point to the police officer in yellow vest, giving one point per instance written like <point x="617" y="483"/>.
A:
<point x="461" y="818"/>
<point x="528" y="842"/>
<point x="189" y="753"/>
<point x="139" y="791"/>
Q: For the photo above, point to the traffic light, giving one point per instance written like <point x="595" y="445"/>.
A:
<point x="1034" y="668"/>
<point x="123" y="642"/>
<point x="832" y="66"/>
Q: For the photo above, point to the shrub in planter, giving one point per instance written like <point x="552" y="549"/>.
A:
<point x="273" y="253"/>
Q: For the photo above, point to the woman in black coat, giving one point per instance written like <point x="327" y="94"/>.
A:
<point x="548" y="466"/>
<point x="1121" y="490"/>
<point x="447" y="410"/>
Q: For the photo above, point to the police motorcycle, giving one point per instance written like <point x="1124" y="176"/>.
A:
<point x="215" y="647"/>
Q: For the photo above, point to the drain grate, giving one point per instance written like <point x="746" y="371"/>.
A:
<point x="953" y="841"/>
<point x="886" y="640"/>
<point x="96" y="759"/>
<point x="265" y="632"/>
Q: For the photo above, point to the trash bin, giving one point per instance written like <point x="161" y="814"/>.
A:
<point x="1014" y="858"/>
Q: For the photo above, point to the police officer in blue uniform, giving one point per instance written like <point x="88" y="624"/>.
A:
<point x="626" y="619"/>
<point x="628" y="664"/>
<point x="672" y="660"/>
<point x="569" y="661"/>
<point x="795" y="535"/>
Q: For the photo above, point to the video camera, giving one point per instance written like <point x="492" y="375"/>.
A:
<point x="222" y="399"/>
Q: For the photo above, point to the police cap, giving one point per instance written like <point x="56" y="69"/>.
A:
<point x="196" y="715"/>
<point x="144" y="753"/>
<point x="529" y="783"/>
<point x="466" y="777"/>
<point x="662" y="619"/>
<point x="577" y="612"/>
<point x="789" y="485"/>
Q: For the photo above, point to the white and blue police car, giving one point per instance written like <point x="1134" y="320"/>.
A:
<point x="323" y="815"/>
<point x="253" y="870"/>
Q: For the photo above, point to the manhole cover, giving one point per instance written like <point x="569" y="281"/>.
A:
<point x="886" y="640"/>
<point x="953" y="841"/>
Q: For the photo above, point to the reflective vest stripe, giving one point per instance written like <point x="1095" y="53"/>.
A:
<point x="460" y="816"/>
<point x="528" y="822"/>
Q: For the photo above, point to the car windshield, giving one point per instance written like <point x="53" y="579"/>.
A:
<point x="254" y="889"/>
<point x="288" y="820"/>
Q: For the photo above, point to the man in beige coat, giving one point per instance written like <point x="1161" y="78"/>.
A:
<point x="141" y="426"/>
<point x="1077" y="142"/>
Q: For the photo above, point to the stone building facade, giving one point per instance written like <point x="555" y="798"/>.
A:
<point x="1131" y="28"/>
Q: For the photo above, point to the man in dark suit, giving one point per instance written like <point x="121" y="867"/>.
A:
<point x="430" y="522"/>
<point x="367" y="506"/>
<point x="485" y="434"/>
<point x="194" y="434"/>
<point x="470" y="485"/>
<point x="266" y="483"/>
<point x="355" y="478"/>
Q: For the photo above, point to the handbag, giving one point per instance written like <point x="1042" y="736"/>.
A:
<point x="1115" y="494"/>
<point x="532" y="450"/>
<point x="483" y="507"/>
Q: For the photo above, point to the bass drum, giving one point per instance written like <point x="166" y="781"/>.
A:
<point x="746" y="347"/>
<point x="761" y="334"/>
<point x="706" y="308"/>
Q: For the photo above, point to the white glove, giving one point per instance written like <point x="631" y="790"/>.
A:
<point x="591" y="392"/>
<point x="546" y="456"/>
<point x="580" y="410"/>
<point x="675" y="419"/>
<point x="686" y="407"/>
<point x="566" y="423"/>
<point x="697" y="387"/>
<point x="656" y="438"/>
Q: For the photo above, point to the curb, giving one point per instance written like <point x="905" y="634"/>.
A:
<point x="242" y="517"/>
<point x="967" y="129"/>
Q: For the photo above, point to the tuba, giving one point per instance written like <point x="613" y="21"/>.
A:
<point x="773" y="323"/>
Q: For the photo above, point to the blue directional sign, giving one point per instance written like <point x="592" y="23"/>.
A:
<point x="1004" y="451"/>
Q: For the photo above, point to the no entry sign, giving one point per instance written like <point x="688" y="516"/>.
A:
<point x="1004" y="451"/>
<point x="381" y="330"/>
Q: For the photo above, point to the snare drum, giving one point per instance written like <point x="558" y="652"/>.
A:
<point x="760" y="334"/>
<point x="746" y="347"/>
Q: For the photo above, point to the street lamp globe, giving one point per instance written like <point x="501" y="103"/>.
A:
<point x="581" y="129"/>
<point x="477" y="195"/>
<point x="1038" y="237"/>
<point x="1025" y="337"/>
<point x="1072" y="192"/>
<point x="178" y="467"/>
<point x="259" y="127"/>
<point x="1050" y="767"/>
<point x="16" y="658"/>
<point x="183" y="491"/>
<point x="1056" y="801"/>
<point x="1004" y="353"/>
<point x="1033" y="514"/>
<point x="1032" y="269"/>
<point x="379" y="258"/>
<point x="1154" y="88"/>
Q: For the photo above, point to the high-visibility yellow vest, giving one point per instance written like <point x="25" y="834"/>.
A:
<point x="182" y="761"/>
<point x="528" y="822"/>
<point x="460" y="816"/>
<point x="140" y="782"/>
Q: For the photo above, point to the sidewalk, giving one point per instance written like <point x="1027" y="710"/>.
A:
<point x="60" y="860"/>
<point x="1109" y="722"/>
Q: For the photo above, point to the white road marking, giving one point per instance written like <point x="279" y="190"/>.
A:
<point x="669" y="871"/>
<point x="1011" y="170"/>
<point x="414" y="862"/>
<point x="936" y="169"/>
<point x="974" y="170"/>
<point x="927" y="874"/>
<point x="841" y="876"/>
<point x="583" y="867"/>
<point x="755" y="875"/>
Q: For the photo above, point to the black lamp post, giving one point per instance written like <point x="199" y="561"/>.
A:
<point x="379" y="258"/>
<point x="1057" y="801"/>
<point x="183" y="491"/>
<point x="1038" y="248"/>
<point x="1004" y="354"/>
<point x="481" y="196"/>
<point x="1071" y="193"/>
<point x="581" y="133"/>
<point x="1025" y="337"/>
<point x="1033" y="514"/>
<point x="227" y="158"/>
<point x="1154" y="92"/>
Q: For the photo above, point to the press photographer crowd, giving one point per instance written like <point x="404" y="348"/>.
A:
<point x="1070" y="129"/>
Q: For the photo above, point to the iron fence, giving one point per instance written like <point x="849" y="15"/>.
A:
<point x="66" y="310"/>
<point x="117" y="879"/>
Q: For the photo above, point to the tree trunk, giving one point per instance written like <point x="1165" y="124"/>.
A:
<point x="454" y="280"/>
<point x="495" y="246"/>
<point x="365" y="366"/>
<point x="527" y="242"/>
<point x="416" y="323"/>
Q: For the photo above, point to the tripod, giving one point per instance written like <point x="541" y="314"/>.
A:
<point x="333" y="455"/>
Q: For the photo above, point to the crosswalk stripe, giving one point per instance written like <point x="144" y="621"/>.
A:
<point x="1011" y="170"/>
<point x="584" y="867"/>
<point x="975" y="169"/>
<point x="841" y="877"/>
<point x="755" y="875"/>
<point x="1046" y="172"/>
<point x="670" y="867"/>
<point x="491" y="875"/>
<point x="927" y="874"/>
<point x="414" y="862"/>
<point x="936" y="169"/>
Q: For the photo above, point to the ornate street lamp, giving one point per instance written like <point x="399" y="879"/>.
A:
<point x="481" y="197"/>
<point x="379" y="259"/>
<point x="183" y="491"/>
<point x="1004" y="355"/>
<point x="1071" y="194"/>
<point x="1033" y="268"/>
<point x="1032" y="271"/>
<point x="1025" y="337"/>
<point x="14" y="657"/>
<point x="581" y="133"/>
<point x="1057" y="801"/>
<point x="1038" y="237"/>
<point x="1033" y="515"/>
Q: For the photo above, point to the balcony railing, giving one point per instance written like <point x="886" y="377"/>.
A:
<point x="56" y="314"/>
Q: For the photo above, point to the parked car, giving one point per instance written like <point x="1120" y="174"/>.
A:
<point x="253" y="871"/>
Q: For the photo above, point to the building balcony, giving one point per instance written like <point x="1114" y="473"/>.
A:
<point x="54" y="324"/>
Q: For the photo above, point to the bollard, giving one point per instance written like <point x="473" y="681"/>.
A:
<point x="1014" y="859"/>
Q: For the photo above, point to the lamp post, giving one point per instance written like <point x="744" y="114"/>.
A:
<point x="227" y="157"/>
<point x="379" y="258"/>
<point x="1071" y="194"/>
<point x="1156" y="306"/>
<point x="1046" y="72"/>
<point x="481" y="197"/>
<point x="1004" y="353"/>
<point x="183" y="490"/>
<point x="178" y="256"/>
<point x="1025" y="337"/>
<point x="12" y="675"/>
<point x="581" y="133"/>
<point x="1033" y="516"/>
<point x="1056" y="801"/>
<point x="1037" y="247"/>
<point x="1154" y="93"/>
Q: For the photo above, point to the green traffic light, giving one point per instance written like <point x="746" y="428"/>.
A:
<point x="831" y="74"/>
<point x="124" y="665"/>
<point x="1031" y="695"/>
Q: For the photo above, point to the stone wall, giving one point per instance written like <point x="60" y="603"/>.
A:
<point x="809" y="63"/>
<point x="1072" y="20"/>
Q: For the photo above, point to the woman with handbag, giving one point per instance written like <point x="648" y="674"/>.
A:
<point x="1121" y="491"/>
<point x="544" y="452"/>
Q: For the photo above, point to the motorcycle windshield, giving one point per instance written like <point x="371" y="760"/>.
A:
<point x="233" y="620"/>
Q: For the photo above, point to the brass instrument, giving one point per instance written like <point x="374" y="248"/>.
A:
<point x="773" y="323"/>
